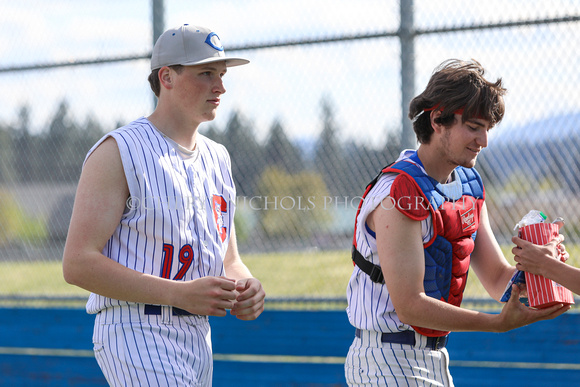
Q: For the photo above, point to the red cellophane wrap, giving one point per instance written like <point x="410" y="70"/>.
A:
<point x="543" y="292"/>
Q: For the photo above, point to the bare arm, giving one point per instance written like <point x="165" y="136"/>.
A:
<point x="488" y="261"/>
<point x="250" y="301"/>
<point x="233" y="264"/>
<point x="544" y="260"/>
<point x="99" y="205"/>
<point x="401" y="256"/>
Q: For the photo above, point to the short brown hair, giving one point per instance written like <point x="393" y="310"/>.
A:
<point x="154" y="78"/>
<point x="457" y="86"/>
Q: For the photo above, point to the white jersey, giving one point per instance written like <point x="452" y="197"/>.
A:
<point x="369" y="304"/>
<point x="370" y="361"/>
<point x="180" y="211"/>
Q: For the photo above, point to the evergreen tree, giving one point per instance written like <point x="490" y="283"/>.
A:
<point x="91" y="132"/>
<point x="364" y="164"/>
<point x="6" y="148"/>
<point x="59" y="127"/>
<point x="81" y="140"/>
<point x="24" y="152"/>
<point x="55" y="144"/>
<point x="212" y="132"/>
<point x="330" y="158"/>
<point x="246" y="154"/>
<point x="393" y="147"/>
<point x="281" y="152"/>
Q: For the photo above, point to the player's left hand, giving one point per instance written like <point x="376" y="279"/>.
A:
<point x="249" y="303"/>
<point x="514" y="314"/>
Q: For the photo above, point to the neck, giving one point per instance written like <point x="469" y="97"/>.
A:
<point x="434" y="165"/>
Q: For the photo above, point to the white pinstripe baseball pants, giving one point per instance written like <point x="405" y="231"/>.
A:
<point x="134" y="349"/>
<point x="372" y="363"/>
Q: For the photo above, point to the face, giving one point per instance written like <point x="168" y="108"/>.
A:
<point x="197" y="90"/>
<point x="462" y="142"/>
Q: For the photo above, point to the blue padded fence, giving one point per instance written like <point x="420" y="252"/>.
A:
<point x="52" y="347"/>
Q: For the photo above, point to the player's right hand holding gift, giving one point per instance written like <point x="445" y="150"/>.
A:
<point x="249" y="303"/>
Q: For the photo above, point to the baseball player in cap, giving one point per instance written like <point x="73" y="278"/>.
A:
<point x="421" y="224"/>
<point x="152" y="231"/>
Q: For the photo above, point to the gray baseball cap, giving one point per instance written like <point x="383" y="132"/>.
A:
<point x="190" y="45"/>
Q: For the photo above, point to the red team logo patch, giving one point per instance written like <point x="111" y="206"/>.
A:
<point x="220" y="208"/>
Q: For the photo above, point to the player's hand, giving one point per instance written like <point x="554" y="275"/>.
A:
<point x="250" y="302"/>
<point x="515" y="314"/>
<point x="208" y="296"/>
<point x="533" y="258"/>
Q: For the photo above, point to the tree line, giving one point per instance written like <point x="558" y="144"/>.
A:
<point x="56" y="153"/>
<point x="322" y="167"/>
<point x="345" y="167"/>
<point x="52" y="155"/>
<point x="278" y="167"/>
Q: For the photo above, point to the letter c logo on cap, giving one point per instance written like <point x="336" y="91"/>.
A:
<point x="214" y="41"/>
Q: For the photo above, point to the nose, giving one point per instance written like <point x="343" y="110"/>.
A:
<point x="482" y="138"/>
<point x="219" y="87"/>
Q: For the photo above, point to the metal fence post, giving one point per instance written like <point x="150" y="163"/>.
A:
<point x="158" y="20"/>
<point x="407" y="38"/>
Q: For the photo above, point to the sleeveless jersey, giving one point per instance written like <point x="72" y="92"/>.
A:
<point x="180" y="210"/>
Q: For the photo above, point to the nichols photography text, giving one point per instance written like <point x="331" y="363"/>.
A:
<point x="300" y="203"/>
<point x="296" y="203"/>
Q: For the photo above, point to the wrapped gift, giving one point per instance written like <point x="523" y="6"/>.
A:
<point x="543" y="292"/>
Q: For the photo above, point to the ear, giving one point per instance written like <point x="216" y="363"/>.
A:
<point x="166" y="77"/>
<point x="436" y="126"/>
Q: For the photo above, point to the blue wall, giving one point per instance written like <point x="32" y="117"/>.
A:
<point x="52" y="347"/>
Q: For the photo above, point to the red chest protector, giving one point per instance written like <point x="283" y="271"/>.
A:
<point x="455" y="224"/>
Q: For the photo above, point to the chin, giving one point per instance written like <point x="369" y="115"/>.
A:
<point x="209" y="117"/>
<point x="470" y="164"/>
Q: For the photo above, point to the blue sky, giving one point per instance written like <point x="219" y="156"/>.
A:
<point x="361" y="78"/>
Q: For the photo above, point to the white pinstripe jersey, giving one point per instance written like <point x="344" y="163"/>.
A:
<point x="369" y="303"/>
<point x="180" y="212"/>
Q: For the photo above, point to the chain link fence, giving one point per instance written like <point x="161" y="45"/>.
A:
<point x="308" y="123"/>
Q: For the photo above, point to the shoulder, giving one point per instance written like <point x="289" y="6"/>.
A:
<point x="378" y="192"/>
<point x="103" y="172"/>
<point x="105" y="152"/>
<point x="409" y="198"/>
<point x="130" y="130"/>
<point x="213" y="148"/>
<point x="137" y="131"/>
<point x="115" y="145"/>
<point x="209" y="143"/>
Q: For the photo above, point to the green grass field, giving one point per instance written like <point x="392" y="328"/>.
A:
<point x="305" y="274"/>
